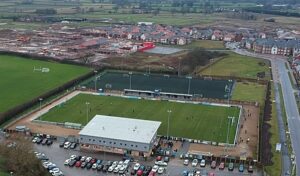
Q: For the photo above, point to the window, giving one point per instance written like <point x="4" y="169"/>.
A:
<point x="99" y="140"/>
<point x="89" y="139"/>
<point x="114" y="142"/>
<point x="93" y="140"/>
<point x="81" y="138"/>
<point x="109" y="142"/>
<point x="136" y="146"/>
<point x="125" y="144"/>
<point x="131" y="145"/>
<point x="104" y="142"/>
<point x="120" y="143"/>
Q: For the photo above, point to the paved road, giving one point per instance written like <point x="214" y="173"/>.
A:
<point x="280" y="75"/>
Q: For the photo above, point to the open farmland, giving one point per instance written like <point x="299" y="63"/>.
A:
<point x="20" y="83"/>
<point x="193" y="121"/>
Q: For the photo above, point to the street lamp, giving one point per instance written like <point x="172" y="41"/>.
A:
<point x="130" y="73"/>
<point x="95" y="71"/>
<point x="189" y="78"/>
<point x="169" y="114"/>
<point x="87" y="112"/>
<point x="11" y="173"/>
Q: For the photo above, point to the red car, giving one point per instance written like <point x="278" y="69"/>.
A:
<point x="94" y="160"/>
<point x="139" y="172"/>
<point x="151" y="173"/>
<point x="158" y="158"/>
<point x="221" y="166"/>
<point x="78" y="164"/>
<point x="211" y="174"/>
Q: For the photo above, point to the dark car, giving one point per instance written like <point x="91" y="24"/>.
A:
<point x="61" y="144"/>
<point x="73" y="145"/>
<point x="83" y="164"/>
<point x="250" y="169"/>
<point x="166" y="159"/>
<point x="105" y="168"/>
<point x="78" y="158"/>
<point x="100" y="167"/>
<point x="49" y="142"/>
<point x="147" y="170"/>
<point x="39" y="140"/>
<point x="132" y="172"/>
<point x="89" y="165"/>
<point x="72" y="163"/>
<point x="44" y="142"/>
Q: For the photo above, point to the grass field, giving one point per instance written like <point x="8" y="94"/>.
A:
<point x="186" y="120"/>
<point x="249" y="91"/>
<point x="207" y="44"/>
<point x="19" y="83"/>
<point x="238" y="66"/>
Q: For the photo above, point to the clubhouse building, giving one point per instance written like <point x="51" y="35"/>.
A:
<point x="119" y="135"/>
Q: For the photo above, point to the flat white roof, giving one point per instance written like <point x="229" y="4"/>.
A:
<point x="120" y="128"/>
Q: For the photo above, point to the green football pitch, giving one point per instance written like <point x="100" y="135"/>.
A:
<point x="194" y="121"/>
<point x="19" y="82"/>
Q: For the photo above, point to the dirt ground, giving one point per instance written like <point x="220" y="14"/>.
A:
<point x="250" y="129"/>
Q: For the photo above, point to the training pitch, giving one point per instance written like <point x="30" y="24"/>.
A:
<point x="25" y="79"/>
<point x="197" y="87"/>
<point x="194" y="121"/>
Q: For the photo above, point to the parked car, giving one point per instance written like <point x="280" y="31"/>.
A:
<point x="67" y="161"/>
<point x="160" y="170"/>
<point x="154" y="168"/>
<point x="83" y="164"/>
<point x="88" y="159"/>
<point x="73" y="157"/>
<point x="73" y="145"/>
<point x="72" y="163"/>
<point x="161" y="163"/>
<point x="83" y="158"/>
<point x="44" y="142"/>
<point x="111" y="168"/>
<point x="78" y="164"/>
<point x="78" y="158"/>
<point x="139" y="172"/>
<point x="105" y="168"/>
<point x="34" y="139"/>
<point x="186" y="162"/>
<point x="61" y="144"/>
<point x="100" y="167"/>
<point x="136" y="166"/>
<point x="93" y="160"/>
<point x="222" y="166"/>
<point x="250" y="169"/>
<point x="94" y="166"/>
<point x="99" y="162"/>
<point x="241" y="168"/>
<point x="49" y="142"/>
<point x="67" y="145"/>
<point x="202" y="163"/>
<point x="231" y="167"/>
<point x="151" y="173"/>
<point x="211" y="174"/>
<point x="158" y="158"/>
<point x="38" y="140"/>
<point x="89" y="165"/>
<point x="194" y="162"/>
<point x="213" y="164"/>
<point x="166" y="159"/>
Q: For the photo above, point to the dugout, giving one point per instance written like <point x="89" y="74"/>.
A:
<point x="156" y="93"/>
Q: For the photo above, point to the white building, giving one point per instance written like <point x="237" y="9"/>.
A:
<point x="119" y="135"/>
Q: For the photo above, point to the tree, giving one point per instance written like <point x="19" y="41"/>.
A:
<point x="20" y="159"/>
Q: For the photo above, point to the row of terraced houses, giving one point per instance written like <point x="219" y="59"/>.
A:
<point x="273" y="46"/>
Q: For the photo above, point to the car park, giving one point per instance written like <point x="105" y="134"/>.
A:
<point x="202" y="163"/>
<point x="194" y="162"/>
<point x="231" y="167"/>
